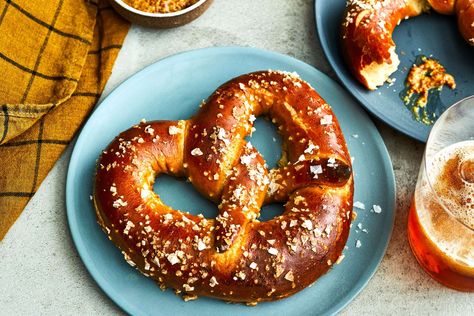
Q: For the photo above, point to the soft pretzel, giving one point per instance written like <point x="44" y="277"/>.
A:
<point x="367" y="27"/>
<point x="234" y="257"/>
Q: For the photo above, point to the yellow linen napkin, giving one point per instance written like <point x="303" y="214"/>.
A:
<point x="55" y="58"/>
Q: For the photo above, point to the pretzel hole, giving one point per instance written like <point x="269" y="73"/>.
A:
<point x="181" y="195"/>
<point x="267" y="140"/>
<point x="270" y="211"/>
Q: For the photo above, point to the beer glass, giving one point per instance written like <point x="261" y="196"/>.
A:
<point x="441" y="217"/>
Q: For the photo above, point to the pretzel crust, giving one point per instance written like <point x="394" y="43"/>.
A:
<point x="234" y="257"/>
<point x="367" y="27"/>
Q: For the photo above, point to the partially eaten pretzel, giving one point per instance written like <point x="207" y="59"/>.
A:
<point x="367" y="27"/>
<point x="234" y="257"/>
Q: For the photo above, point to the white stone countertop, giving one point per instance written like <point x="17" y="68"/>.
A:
<point x="41" y="272"/>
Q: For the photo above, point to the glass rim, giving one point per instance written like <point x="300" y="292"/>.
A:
<point x="425" y="161"/>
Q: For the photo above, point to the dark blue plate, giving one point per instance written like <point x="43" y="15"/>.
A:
<point x="428" y="34"/>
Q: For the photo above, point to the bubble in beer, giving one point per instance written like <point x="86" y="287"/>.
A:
<point x="452" y="178"/>
<point x="467" y="171"/>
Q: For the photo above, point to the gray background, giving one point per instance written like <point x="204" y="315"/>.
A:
<point x="40" y="271"/>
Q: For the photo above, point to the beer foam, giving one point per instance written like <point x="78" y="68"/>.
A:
<point x="450" y="172"/>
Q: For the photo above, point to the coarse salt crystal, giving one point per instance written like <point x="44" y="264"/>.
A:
<point x="201" y="245"/>
<point x="311" y="148"/>
<point x="272" y="251"/>
<point x="326" y="119"/>
<point x="359" y="205"/>
<point x="127" y="227"/>
<point x="118" y="203"/>
<point x="307" y="224"/>
<point x="273" y="187"/>
<point x="315" y="170"/>
<point x="173" y="130"/>
<point x="150" y="130"/>
<point x="144" y="193"/>
<point x="377" y="209"/>
<point x="173" y="258"/>
<point x="246" y="159"/>
<point x="196" y="152"/>
<point x="289" y="276"/>
<point x="213" y="282"/>
<point x="328" y="229"/>
<point x="188" y="288"/>
<point x="222" y="136"/>
<point x="241" y="275"/>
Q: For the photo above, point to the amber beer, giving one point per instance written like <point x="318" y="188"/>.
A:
<point x="441" y="217"/>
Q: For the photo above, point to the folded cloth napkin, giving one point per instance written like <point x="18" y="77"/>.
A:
<point x="55" y="58"/>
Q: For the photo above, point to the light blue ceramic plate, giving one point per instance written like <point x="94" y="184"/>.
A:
<point x="172" y="88"/>
<point x="428" y="34"/>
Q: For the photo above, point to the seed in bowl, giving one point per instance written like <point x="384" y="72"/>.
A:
<point x="160" y="6"/>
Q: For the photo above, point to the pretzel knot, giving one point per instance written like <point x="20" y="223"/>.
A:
<point x="235" y="256"/>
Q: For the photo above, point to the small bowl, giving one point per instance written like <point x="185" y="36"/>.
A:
<point x="161" y="20"/>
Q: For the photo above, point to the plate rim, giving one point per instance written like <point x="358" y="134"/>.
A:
<point x="88" y="262"/>
<point x="348" y="85"/>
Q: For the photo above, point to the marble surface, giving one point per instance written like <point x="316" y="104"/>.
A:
<point x="41" y="272"/>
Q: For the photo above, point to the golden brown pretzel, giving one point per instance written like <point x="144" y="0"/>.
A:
<point x="367" y="26"/>
<point x="235" y="257"/>
<point x="465" y="12"/>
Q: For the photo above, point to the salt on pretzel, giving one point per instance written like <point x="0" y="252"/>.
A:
<point x="234" y="257"/>
<point x="367" y="27"/>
